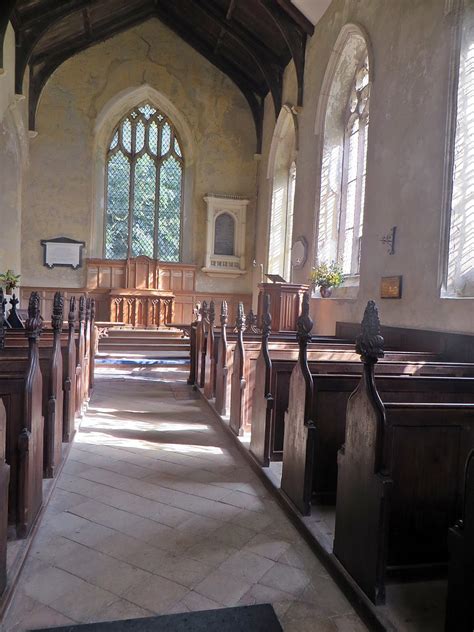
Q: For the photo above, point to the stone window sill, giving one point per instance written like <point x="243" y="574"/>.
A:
<point x="348" y="291"/>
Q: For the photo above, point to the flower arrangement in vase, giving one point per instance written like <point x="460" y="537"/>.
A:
<point x="326" y="277"/>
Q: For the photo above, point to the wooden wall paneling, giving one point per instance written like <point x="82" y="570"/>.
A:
<point x="4" y="483"/>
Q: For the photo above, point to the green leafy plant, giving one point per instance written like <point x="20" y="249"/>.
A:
<point x="326" y="275"/>
<point x="10" y="280"/>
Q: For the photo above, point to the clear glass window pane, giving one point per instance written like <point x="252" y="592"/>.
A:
<point x="118" y="196"/>
<point x="169" y="215"/>
<point x="143" y="220"/>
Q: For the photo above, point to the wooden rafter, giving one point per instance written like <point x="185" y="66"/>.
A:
<point x="294" y="38"/>
<point x="271" y="71"/>
<point x="252" y="92"/>
<point x="296" y="15"/>
<point x="43" y="66"/>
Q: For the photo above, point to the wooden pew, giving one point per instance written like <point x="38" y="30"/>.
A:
<point x="314" y="477"/>
<point x="86" y="357"/>
<point x="54" y="425"/>
<point x="51" y="356"/>
<point x="459" y="601"/>
<point x="222" y="366"/>
<point x="400" y="477"/>
<point x="271" y="386"/>
<point x="192" y="344"/>
<point x="21" y="390"/>
<point x="93" y="342"/>
<point x="4" y="484"/>
<point x="238" y="383"/>
<point x="69" y="365"/>
<point x="201" y="343"/>
<point x="209" y="359"/>
<point x="80" y="351"/>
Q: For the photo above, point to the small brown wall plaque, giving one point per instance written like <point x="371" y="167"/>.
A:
<point x="391" y="287"/>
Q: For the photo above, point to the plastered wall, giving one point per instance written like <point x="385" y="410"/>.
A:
<point x="412" y="42"/>
<point x="59" y="197"/>
<point x="13" y="160"/>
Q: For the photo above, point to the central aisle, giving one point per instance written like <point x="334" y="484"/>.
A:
<point x="156" y="511"/>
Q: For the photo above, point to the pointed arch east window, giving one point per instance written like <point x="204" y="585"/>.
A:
<point x="144" y="187"/>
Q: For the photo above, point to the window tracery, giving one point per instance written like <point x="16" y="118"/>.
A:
<point x="144" y="175"/>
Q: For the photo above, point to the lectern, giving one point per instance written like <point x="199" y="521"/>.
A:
<point x="285" y="304"/>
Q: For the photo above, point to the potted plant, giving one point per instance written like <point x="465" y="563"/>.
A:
<point x="326" y="277"/>
<point x="10" y="280"/>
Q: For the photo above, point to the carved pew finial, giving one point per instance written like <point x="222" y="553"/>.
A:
<point x="72" y="312"/>
<point x="212" y="313"/>
<point x="251" y="323"/>
<point x="204" y="311"/>
<point x="197" y="312"/>
<point x="224" y="314"/>
<point x="267" y="317"/>
<point x="92" y="309"/>
<point x="304" y="324"/>
<point x="57" y="315"/>
<point x="370" y="343"/>
<point x="82" y="309"/>
<point x="88" y="309"/>
<point x="34" y="323"/>
<point x="240" y="318"/>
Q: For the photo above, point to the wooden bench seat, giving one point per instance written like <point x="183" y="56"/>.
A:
<point x="400" y="477"/>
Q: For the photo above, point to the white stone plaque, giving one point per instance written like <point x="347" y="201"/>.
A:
<point x="62" y="251"/>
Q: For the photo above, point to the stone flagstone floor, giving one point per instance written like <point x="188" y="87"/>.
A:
<point x="157" y="512"/>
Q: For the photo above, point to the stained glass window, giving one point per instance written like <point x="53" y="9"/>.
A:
<point x="144" y="187"/>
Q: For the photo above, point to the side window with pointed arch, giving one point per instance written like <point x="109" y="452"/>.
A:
<point x="144" y="187"/>
<point x="344" y="156"/>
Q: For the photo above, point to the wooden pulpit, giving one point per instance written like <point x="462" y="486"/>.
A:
<point x="285" y="304"/>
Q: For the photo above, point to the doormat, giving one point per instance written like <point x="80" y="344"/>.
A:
<point x="261" y="618"/>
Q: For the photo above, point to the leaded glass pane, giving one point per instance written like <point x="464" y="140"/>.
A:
<point x="153" y="138"/>
<point x="118" y="190"/>
<point x="147" y="110"/>
<point x="143" y="222"/>
<point x="114" y="142"/>
<point x="140" y="138"/>
<point x="169" y="217"/>
<point x="127" y="135"/>
<point x="136" y="153"/>
<point x="165" y="139"/>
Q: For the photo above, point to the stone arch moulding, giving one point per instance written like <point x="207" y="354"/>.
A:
<point x="288" y="116"/>
<point x="348" y="31"/>
<point x="106" y="121"/>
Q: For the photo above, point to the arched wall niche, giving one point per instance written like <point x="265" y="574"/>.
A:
<point x="352" y="47"/>
<point x="225" y="233"/>
<point x="281" y="173"/>
<point x="106" y="122"/>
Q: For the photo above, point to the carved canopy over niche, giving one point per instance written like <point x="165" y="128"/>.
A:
<point x="225" y="239"/>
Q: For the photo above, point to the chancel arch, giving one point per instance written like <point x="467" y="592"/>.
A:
<point x="282" y="175"/>
<point x="342" y="126"/>
<point x="144" y="176"/>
